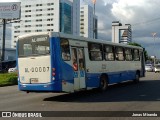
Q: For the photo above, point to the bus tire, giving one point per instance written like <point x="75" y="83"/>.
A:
<point x="103" y="83"/>
<point x="136" y="80"/>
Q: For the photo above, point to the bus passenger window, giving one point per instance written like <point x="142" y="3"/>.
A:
<point x="65" y="50"/>
<point x="119" y="54"/>
<point x="109" y="52"/>
<point x="128" y="54"/>
<point x="95" y="51"/>
<point x="136" y="55"/>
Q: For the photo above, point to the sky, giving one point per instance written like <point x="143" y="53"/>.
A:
<point x="9" y="0"/>
<point x="143" y="15"/>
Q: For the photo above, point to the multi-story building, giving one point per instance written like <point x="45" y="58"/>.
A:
<point x="47" y="15"/>
<point x="88" y="22"/>
<point x="121" y="33"/>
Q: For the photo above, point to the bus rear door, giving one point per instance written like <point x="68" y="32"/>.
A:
<point x="78" y="62"/>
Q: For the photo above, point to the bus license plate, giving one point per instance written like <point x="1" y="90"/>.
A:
<point x="34" y="80"/>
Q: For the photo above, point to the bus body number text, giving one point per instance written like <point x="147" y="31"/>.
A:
<point x="37" y="69"/>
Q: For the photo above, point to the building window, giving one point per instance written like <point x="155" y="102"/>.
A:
<point x="50" y="14"/>
<point x="16" y="31"/>
<point x="27" y="15"/>
<point x="16" y="27"/>
<point x="27" y="25"/>
<point x="27" y="31"/>
<point x="38" y="20"/>
<point x="49" y="29"/>
<point x="38" y="9"/>
<point x="27" y="5"/>
<point x="27" y="20"/>
<point x="38" y="30"/>
<point x="38" y="4"/>
<point x="39" y="25"/>
<point x="38" y="15"/>
<point x="27" y="10"/>
<point x="50" y="24"/>
<point x="50" y="9"/>
<point x="49" y="4"/>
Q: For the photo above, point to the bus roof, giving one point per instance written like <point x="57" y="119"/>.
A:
<point x="69" y="36"/>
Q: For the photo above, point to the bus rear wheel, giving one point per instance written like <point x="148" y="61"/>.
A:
<point x="103" y="83"/>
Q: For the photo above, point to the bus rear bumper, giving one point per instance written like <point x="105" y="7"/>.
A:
<point x="48" y="87"/>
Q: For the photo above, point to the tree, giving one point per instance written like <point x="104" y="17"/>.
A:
<point x="145" y="52"/>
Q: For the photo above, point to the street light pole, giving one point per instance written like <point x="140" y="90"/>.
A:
<point x="154" y="34"/>
<point x="3" y="45"/>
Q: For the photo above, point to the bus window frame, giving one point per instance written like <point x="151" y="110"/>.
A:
<point x="135" y="59"/>
<point x="65" y="53"/>
<point x="95" y="51"/>
<point x="33" y="44"/>
<point x="117" y="54"/>
<point x="131" y="53"/>
<point x="104" y="51"/>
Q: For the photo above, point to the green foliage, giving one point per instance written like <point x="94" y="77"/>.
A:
<point x="135" y="44"/>
<point x="145" y="52"/>
<point x="8" y="79"/>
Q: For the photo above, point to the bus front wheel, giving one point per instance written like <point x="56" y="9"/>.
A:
<point x="103" y="83"/>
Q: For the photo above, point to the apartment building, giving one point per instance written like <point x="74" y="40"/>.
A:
<point x="47" y="15"/>
<point x="121" y="33"/>
<point x="88" y="22"/>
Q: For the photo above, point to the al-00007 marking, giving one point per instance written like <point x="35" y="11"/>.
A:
<point x="37" y="69"/>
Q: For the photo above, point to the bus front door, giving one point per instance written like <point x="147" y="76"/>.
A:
<point x="78" y="62"/>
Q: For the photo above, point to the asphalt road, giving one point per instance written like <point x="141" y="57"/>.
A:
<point x="144" y="96"/>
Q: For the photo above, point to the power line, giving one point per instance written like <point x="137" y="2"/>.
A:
<point x="146" y="22"/>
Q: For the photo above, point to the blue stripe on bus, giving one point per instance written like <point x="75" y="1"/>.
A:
<point x="93" y="79"/>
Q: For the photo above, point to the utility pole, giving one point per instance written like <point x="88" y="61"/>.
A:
<point x="154" y="34"/>
<point x="3" y="45"/>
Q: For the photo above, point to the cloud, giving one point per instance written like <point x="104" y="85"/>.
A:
<point x="10" y="0"/>
<point x="143" y="15"/>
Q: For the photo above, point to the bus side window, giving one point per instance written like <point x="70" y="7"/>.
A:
<point x="136" y="55"/>
<point x="95" y="51"/>
<point x="65" y="49"/>
<point x="108" y="52"/>
<point x="119" y="54"/>
<point x="128" y="54"/>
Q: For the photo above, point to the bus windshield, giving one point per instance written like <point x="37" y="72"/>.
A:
<point x="33" y="46"/>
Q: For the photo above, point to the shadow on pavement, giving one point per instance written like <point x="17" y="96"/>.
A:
<point x="144" y="91"/>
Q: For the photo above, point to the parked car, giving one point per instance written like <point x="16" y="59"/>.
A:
<point x="157" y="68"/>
<point x="149" y="68"/>
<point x="11" y="70"/>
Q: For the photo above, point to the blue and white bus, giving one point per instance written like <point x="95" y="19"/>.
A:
<point x="57" y="62"/>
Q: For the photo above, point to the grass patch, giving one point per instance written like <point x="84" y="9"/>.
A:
<point x="7" y="79"/>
